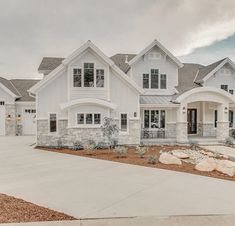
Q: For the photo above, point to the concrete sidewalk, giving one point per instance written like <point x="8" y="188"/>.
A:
<point x="140" y="221"/>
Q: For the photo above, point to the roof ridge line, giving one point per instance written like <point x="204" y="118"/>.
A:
<point x="15" y="88"/>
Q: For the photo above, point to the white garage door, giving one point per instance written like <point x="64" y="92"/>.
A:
<point x="29" y="121"/>
<point x="2" y="118"/>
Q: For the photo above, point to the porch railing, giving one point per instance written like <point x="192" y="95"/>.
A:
<point x="153" y="134"/>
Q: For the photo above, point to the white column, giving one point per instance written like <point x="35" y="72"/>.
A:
<point x="222" y="131"/>
<point x="181" y="124"/>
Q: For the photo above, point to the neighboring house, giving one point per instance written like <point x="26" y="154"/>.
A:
<point x="151" y="96"/>
<point x="17" y="107"/>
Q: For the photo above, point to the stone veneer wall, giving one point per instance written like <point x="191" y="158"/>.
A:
<point x="222" y="131"/>
<point x="67" y="136"/>
<point x="181" y="132"/>
<point x="170" y="130"/>
<point x="209" y="130"/>
<point x="10" y="124"/>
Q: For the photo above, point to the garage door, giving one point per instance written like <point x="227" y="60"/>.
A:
<point x="2" y="118"/>
<point x="29" y="121"/>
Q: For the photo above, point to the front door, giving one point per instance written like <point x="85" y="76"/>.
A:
<point x="192" y="121"/>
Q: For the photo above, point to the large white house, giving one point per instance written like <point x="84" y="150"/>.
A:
<point x="151" y="96"/>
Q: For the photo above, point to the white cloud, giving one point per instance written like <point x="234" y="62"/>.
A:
<point x="31" y="29"/>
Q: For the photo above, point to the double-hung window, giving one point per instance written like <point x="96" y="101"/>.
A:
<point x="80" y="119"/>
<point x="224" y="87"/>
<point x="53" y="123"/>
<point x="77" y="77"/>
<point x="146" y="81"/>
<point x="154" y="78"/>
<point x="123" y="122"/>
<point x="154" y="119"/>
<point x="99" y="78"/>
<point x="88" y="75"/>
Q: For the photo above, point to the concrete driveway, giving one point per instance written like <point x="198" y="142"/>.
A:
<point x="89" y="188"/>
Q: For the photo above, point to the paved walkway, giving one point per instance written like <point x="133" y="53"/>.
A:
<point x="140" y="221"/>
<point x="225" y="150"/>
<point x="90" y="188"/>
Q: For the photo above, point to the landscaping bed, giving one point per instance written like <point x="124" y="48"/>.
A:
<point x="14" y="210"/>
<point x="131" y="157"/>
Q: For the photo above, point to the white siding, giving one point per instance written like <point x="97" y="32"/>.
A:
<point x="165" y="66"/>
<point x="225" y="76"/>
<point x="4" y="96"/>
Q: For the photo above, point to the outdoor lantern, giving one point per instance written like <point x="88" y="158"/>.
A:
<point x="9" y="117"/>
<point x="226" y="110"/>
<point x="135" y="114"/>
<point x="18" y="117"/>
<point x="184" y="109"/>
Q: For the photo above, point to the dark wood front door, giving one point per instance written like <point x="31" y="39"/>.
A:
<point x="192" y="121"/>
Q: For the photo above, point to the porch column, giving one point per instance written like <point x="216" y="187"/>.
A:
<point x="181" y="124"/>
<point x="222" y="131"/>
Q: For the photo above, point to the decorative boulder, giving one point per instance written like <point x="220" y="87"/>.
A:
<point x="226" y="167"/>
<point x="206" y="165"/>
<point x="167" y="158"/>
<point x="179" y="154"/>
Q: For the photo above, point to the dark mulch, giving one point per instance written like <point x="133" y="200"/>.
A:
<point x="133" y="158"/>
<point x="14" y="210"/>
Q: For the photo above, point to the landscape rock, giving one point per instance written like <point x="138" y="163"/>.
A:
<point x="179" y="154"/>
<point x="206" y="165"/>
<point x="167" y="158"/>
<point x="226" y="167"/>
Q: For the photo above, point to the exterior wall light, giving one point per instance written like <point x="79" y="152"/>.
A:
<point x="18" y="117"/>
<point x="135" y="114"/>
<point x="184" y="110"/>
<point x="225" y="110"/>
<point x="9" y="117"/>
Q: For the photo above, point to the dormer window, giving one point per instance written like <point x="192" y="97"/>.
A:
<point x="88" y="76"/>
<point x="155" y="80"/>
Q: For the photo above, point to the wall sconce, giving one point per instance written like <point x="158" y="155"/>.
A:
<point x="184" y="109"/>
<point x="225" y="110"/>
<point x="18" y="117"/>
<point x="135" y="114"/>
<point x="9" y="117"/>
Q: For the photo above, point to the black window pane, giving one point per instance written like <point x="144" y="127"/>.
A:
<point x="88" y="75"/>
<point x="163" y="81"/>
<point x="162" y="119"/>
<point x="216" y="116"/>
<point x="80" y="118"/>
<point x="123" y="122"/>
<point x="99" y="78"/>
<point x="154" y="78"/>
<point x="230" y="118"/>
<point x="154" y="119"/>
<point x="224" y="87"/>
<point x="88" y="118"/>
<point x="145" y="81"/>
<point x="53" y="123"/>
<point x="146" y="119"/>
<point x="77" y="77"/>
<point x="97" y="118"/>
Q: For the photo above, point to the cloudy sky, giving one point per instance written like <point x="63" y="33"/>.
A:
<point x="199" y="31"/>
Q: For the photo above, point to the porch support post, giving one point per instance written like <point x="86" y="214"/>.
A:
<point x="181" y="124"/>
<point x="222" y="131"/>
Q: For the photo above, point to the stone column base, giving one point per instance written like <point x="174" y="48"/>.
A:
<point x="222" y="131"/>
<point x="181" y="132"/>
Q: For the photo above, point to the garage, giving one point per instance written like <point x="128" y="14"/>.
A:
<point x="29" y="121"/>
<point x="2" y="118"/>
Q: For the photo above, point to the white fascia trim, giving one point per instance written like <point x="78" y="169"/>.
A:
<point x="159" y="105"/>
<point x="87" y="45"/>
<point x="227" y="60"/>
<point x="183" y="96"/>
<point x="149" y="47"/>
<point x="49" y="77"/>
<point x="26" y="103"/>
<point x="85" y="101"/>
<point x="8" y="91"/>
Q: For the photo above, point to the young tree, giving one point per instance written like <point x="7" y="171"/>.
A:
<point x="109" y="129"/>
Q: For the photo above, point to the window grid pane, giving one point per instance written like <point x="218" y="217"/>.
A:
<point x="99" y="78"/>
<point x="89" y="119"/>
<point x="123" y="122"/>
<point x="53" y="123"/>
<point x="154" y="78"/>
<point x="97" y="118"/>
<point x="88" y="75"/>
<point x="145" y="81"/>
<point x="77" y="77"/>
<point x="163" y="81"/>
<point x="80" y="118"/>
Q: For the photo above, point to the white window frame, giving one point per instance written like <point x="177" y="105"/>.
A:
<point x="57" y="128"/>
<point x="81" y="66"/>
<point x="152" y="109"/>
<point x="120" y="121"/>
<point x="93" y="125"/>
<point x="159" y="80"/>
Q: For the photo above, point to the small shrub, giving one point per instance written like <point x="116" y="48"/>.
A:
<point x="229" y="140"/>
<point x="152" y="159"/>
<point x="140" y="151"/>
<point x="77" y="146"/>
<point x="120" y="151"/>
<point x="89" y="147"/>
<point x="102" y="145"/>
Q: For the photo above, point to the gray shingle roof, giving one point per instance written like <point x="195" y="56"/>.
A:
<point x="9" y="85"/>
<point x="22" y="86"/>
<point x="206" y="70"/>
<point x="120" y="60"/>
<point x="49" y="63"/>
